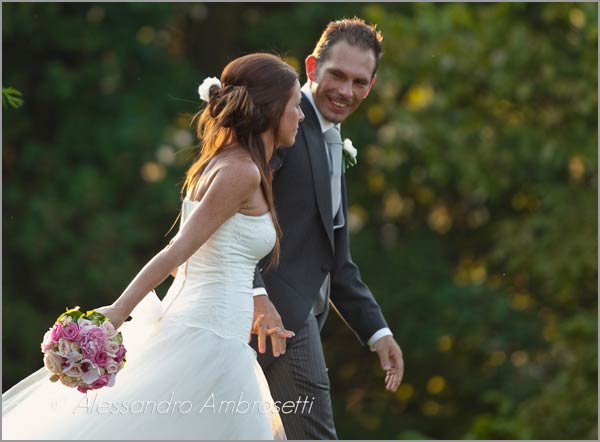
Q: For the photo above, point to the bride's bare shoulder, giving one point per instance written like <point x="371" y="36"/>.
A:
<point x="237" y="165"/>
<point x="232" y="167"/>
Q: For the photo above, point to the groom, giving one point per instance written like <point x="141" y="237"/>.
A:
<point x="315" y="269"/>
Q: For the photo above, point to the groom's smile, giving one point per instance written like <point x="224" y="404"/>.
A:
<point x="342" y="80"/>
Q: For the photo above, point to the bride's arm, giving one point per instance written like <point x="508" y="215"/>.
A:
<point x="230" y="189"/>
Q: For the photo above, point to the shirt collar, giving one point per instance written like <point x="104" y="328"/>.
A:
<point x="325" y="124"/>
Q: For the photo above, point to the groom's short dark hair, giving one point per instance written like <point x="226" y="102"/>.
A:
<point x="353" y="31"/>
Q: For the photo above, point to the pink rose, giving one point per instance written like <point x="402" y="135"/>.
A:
<point x="57" y="331"/>
<point x="47" y="342"/>
<point x="70" y="332"/>
<point x="120" y="353"/>
<point x="102" y="381"/>
<point x="101" y="359"/>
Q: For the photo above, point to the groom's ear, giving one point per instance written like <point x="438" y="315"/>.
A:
<point x="311" y="67"/>
<point x="371" y="83"/>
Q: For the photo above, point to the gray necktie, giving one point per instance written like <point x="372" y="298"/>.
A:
<point x="334" y="144"/>
<point x="333" y="140"/>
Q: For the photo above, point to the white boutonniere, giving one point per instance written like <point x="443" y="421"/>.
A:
<point x="204" y="88"/>
<point x="350" y="153"/>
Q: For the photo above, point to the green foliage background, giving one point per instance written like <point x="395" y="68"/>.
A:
<point x="473" y="205"/>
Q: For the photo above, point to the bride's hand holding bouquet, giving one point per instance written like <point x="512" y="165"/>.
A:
<point x="84" y="350"/>
<point x="114" y="314"/>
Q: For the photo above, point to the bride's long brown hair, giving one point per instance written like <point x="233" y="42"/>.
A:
<point x="255" y="90"/>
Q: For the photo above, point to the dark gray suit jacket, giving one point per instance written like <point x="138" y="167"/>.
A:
<point x="310" y="247"/>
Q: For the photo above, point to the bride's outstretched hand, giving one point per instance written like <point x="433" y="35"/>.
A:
<point x="114" y="314"/>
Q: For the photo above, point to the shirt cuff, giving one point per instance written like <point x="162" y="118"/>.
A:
<point x="257" y="291"/>
<point x="377" y="336"/>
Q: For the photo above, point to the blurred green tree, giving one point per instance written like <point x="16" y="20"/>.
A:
<point x="479" y="177"/>
<point x="90" y="161"/>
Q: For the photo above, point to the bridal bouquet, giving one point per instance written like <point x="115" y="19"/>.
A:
<point x="83" y="350"/>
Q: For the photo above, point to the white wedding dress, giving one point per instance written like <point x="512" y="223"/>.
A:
<point x="190" y="373"/>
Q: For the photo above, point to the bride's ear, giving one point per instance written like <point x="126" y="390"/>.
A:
<point x="311" y="67"/>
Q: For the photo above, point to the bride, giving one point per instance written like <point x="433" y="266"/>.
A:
<point x="190" y="373"/>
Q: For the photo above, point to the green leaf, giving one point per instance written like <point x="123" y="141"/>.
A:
<point x="74" y="313"/>
<point x="11" y="97"/>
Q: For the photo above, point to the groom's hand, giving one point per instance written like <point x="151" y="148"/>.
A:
<point x="267" y="322"/>
<point x="390" y="358"/>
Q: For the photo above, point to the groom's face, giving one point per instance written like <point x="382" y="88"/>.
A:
<point x="342" y="81"/>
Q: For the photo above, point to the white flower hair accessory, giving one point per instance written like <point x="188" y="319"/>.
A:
<point x="204" y="88"/>
<point x="350" y="153"/>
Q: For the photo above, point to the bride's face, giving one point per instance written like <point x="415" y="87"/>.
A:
<point x="290" y="119"/>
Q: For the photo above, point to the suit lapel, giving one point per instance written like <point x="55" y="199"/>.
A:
<point x="319" y="165"/>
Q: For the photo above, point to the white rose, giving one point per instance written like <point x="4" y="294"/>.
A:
<point x="84" y="322"/>
<point x="69" y="381"/>
<point x="53" y="362"/>
<point x="111" y="348"/>
<point x="204" y="88"/>
<point x="64" y="347"/>
<point x="112" y="367"/>
<point x="75" y="371"/>
<point x="109" y="329"/>
<point x="350" y="149"/>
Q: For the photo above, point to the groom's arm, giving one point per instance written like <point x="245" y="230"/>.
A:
<point x="350" y="295"/>
<point x="258" y="285"/>
<point x="356" y="304"/>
